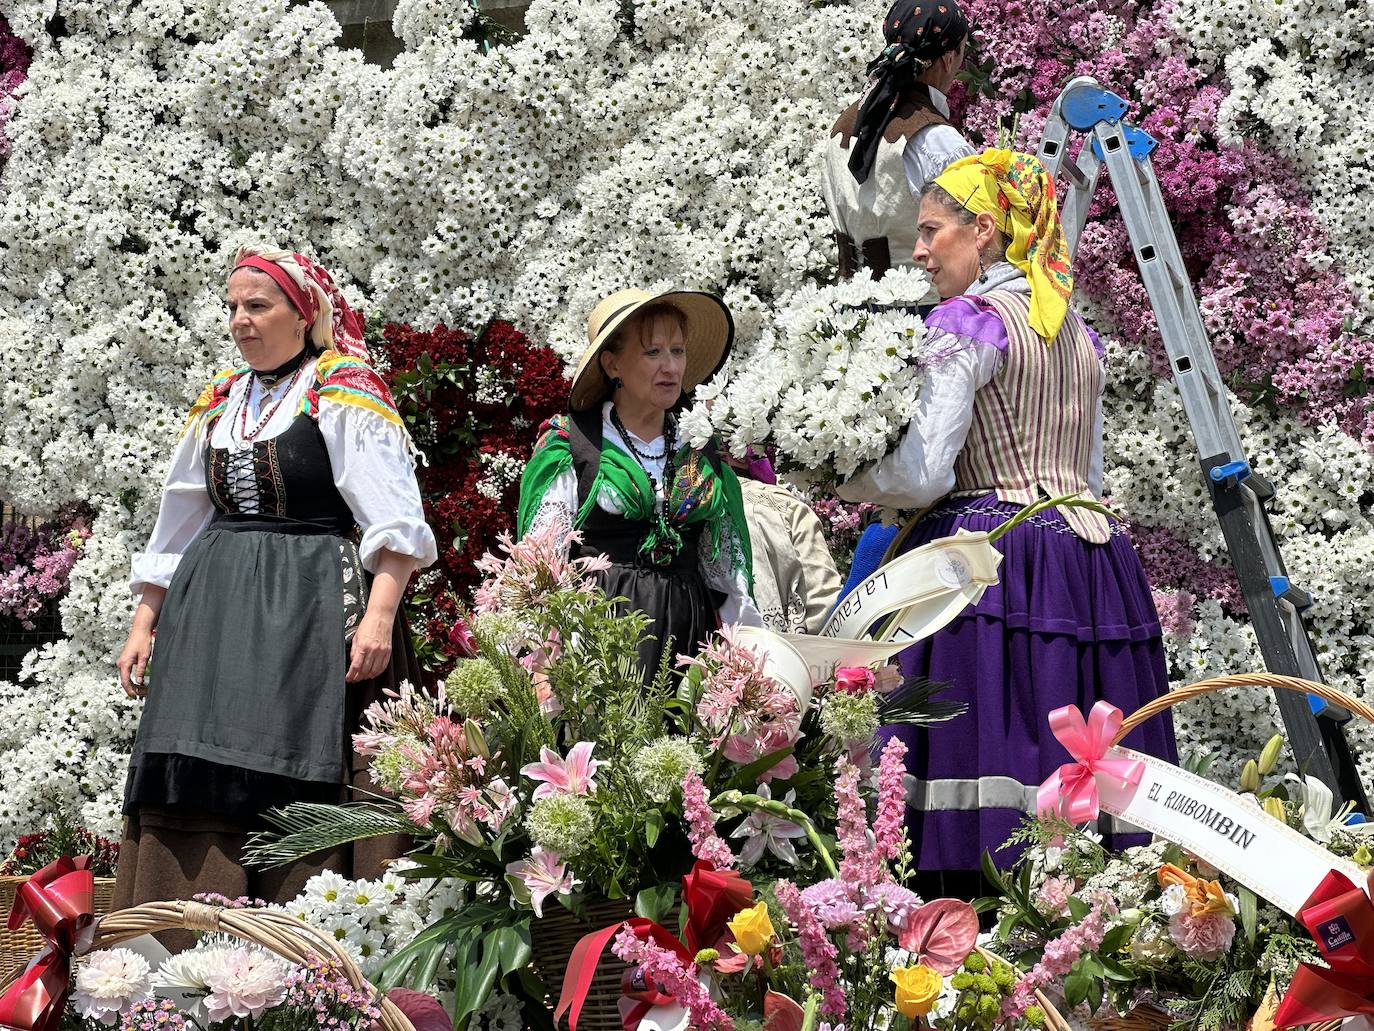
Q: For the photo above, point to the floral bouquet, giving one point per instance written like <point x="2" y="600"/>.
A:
<point x="855" y="950"/>
<point x="36" y="563"/>
<point x="545" y="771"/>
<point x="832" y="386"/>
<point x="1154" y="926"/>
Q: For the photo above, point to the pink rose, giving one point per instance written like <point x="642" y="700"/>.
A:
<point x="1202" y="937"/>
<point x="854" y="680"/>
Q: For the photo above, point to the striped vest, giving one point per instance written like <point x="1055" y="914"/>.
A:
<point x="1032" y="424"/>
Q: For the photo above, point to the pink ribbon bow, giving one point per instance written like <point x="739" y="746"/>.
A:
<point x="1071" y="791"/>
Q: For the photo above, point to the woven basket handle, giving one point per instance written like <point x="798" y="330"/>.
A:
<point x="283" y="935"/>
<point x="1324" y="691"/>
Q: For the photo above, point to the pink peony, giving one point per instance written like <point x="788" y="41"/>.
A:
<point x="1202" y="937"/>
<point x="244" y="982"/>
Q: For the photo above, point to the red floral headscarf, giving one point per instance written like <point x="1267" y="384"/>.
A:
<point x="311" y="290"/>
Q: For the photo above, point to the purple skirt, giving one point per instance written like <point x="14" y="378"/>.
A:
<point x="1069" y="623"/>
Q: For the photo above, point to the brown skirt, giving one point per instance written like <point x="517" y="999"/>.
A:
<point x="170" y="853"/>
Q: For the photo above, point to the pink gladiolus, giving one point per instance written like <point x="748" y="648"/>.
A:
<point x="890" y="826"/>
<point x="571" y="776"/>
<point x="818" y="951"/>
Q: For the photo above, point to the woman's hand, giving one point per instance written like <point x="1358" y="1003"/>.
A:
<point x="371" y="648"/>
<point x="133" y="660"/>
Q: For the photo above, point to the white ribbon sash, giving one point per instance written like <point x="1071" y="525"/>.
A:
<point x="905" y="601"/>
<point x="1224" y="829"/>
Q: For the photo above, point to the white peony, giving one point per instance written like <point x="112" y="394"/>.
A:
<point x="111" y="982"/>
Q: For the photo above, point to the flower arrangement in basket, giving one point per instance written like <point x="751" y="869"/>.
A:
<point x="545" y="772"/>
<point x="854" y="950"/>
<point x="32" y="853"/>
<point x="833" y="387"/>
<point x="254" y="968"/>
<point x="1157" y="935"/>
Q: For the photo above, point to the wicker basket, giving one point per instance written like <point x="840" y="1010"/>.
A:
<point x="554" y="937"/>
<point x="17" y="948"/>
<point x="1148" y="1018"/>
<point x="284" y="935"/>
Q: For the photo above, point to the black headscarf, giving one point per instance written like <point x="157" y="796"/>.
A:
<point x="918" y="33"/>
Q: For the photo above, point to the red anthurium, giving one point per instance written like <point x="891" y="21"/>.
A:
<point x="421" y="1010"/>
<point x="941" y="934"/>
<point x="781" y="1013"/>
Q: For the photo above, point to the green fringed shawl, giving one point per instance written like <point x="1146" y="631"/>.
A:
<point x="701" y="491"/>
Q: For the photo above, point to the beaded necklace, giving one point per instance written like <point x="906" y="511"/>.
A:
<point x="247" y="435"/>
<point x="663" y="543"/>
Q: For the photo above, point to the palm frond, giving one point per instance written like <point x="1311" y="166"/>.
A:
<point x="304" y="828"/>
<point x="914" y="703"/>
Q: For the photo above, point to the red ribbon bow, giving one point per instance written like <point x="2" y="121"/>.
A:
<point x="710" y="896"/>
<point x="60" y="900"/>
<point x="1340" y="917"/>
<point x="1071" y="790"/>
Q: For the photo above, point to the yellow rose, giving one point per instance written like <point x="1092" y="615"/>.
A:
<point x="752" y="929"/>
<point x="917" y="989"/>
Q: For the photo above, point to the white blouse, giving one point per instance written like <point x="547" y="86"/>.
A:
<point x="934" y="148"/>
<point x="371" y="466"/>
<point x="919" y="471"/>
<point x="559" y="507"/>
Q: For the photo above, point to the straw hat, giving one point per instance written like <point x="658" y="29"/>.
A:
<point x="708" y="333"/>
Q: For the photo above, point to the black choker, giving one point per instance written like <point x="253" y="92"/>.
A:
<point x="271" y="377"/>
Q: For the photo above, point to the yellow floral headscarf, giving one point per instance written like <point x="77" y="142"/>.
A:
<point x="1017" y="191"/>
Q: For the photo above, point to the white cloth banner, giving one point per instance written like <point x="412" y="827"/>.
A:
<point x="1222" y="828"/>
<point x="909" y="599"/>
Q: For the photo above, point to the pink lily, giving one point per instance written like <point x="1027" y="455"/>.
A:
<point x="544" y="874"/>
<point x="571" y="776"/>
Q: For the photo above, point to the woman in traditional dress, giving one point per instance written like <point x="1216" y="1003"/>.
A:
<point x="669" y="517"/>
<point x="1010" y="412"/>
<point x="289" y="526"/>
<point x="896" y="137"/>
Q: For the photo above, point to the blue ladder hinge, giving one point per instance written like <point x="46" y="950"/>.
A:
<point x="1139" y="142"/>
<point x="1295" y="596"/>
<point x="1236" y="471"/>
<point x="1085" y="106"/>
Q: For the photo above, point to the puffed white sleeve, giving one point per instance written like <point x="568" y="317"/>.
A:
<point x="182" y="516"/>
<point x="726" y="573"/>
<point x="557" y="508"/>
<point x="929" y="152"/>
<point x="374" y="472"/>
<point x="920" y="470"/>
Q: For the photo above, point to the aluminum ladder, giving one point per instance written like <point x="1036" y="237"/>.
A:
<point x="1240" y="496"/>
